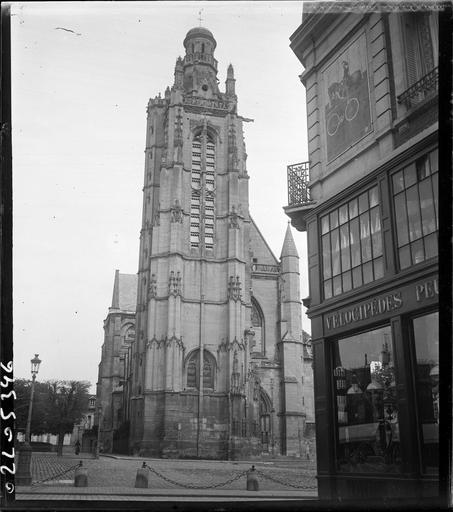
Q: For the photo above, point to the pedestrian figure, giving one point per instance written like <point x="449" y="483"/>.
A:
<point x="307" y="450"/>
<point x="77" y="447"/>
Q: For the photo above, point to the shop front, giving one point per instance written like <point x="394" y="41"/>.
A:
<point x="381" y="387"/>
<point x="374" y="313"/>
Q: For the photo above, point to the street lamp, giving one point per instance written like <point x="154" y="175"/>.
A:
<point x="99" y="432"/>
<point x="23" y="476"/>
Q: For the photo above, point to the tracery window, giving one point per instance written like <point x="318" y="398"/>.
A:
<point x="352" y="252"/>
<point x="415" y="196"/>
<point x="258" y="327"/>
<point x="193" y="366"/>
<point x="202" y="208"/>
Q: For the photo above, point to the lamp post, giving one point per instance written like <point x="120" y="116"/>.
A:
<point x="99" y="432"/>
<point x="23" y="476"/>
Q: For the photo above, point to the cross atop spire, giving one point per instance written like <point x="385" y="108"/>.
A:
<point x="199" y="16"/>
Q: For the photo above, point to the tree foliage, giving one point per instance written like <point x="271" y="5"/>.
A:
<point x="22" y="387"/>
<point x="57" y="406"/>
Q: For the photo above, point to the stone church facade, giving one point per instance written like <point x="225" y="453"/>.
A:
<point x="220" y="366"/>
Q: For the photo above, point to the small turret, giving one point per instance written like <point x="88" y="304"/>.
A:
<point x="291" y="310"/>
<point x="179" y="74"/>
<point x="230" y="82"/>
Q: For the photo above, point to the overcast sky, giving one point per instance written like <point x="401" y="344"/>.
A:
<point x="79" y="101"/>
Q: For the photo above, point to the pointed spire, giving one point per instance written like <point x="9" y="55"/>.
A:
<point x="289" y="247"/>
<point x="116" y="291"/>
<point x="230" y="81"/>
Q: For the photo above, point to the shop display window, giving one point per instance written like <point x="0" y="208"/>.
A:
<point x="352" y="253"/>
<point x="415" y="198"/>
<point x="426" y="336"/>
<point x="368" y="436"/>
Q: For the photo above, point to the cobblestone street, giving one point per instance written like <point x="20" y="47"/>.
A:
<point x="279" y="474"/>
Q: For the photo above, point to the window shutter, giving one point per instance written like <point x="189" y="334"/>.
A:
<point x="412" y="49"/>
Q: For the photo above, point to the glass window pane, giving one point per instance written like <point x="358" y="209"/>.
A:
<point x="427" y="207"/>
<point x="405" y="257"/>
<point x="337" y="285"/>
<point x="344" y="244"/>
<point x="373" y="197"/>
<point x="357" y="277"/>
<point x="431" y="246"/>
<point x="328" y="289"/>
<point x="434" y="161"/>
<point x="410" y="176"/>
<point x="401" y="219"/>
<point x="417" y="252"/>
<point x="426" y="336"/>
<point x="368" y="272"/>
<point x="398" y="182"/>
<point x="347" y="281"/>
<point x="365" y="379"/>
<point x="334" y="219"/>
<point x="365" y="236"/>
<point x="335" y="247"/>
<point x="324" y="224"/>
<point x="436" y="195"/>
<point x="326" y="256"/>
<point x="378" y="266"/>
<point x="375" y="221"/>
<point x="422" y="166"/>
<point x="363" y="202"/>
<point x="413" y="212"/>
<point x="344" y="214"/>
<point x="355" y="241"/>
<point x="353" y="208"/>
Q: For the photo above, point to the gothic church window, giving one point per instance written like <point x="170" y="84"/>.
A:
<point x="193" y="372"/>
<point x="258" y="327"/>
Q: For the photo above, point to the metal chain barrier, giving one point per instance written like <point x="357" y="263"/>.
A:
<point x="193" y="486"/>
<point x="54" y="477"/>
<point x="287" y="484"/>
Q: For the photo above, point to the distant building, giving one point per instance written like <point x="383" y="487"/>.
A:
<point x="119" y="333"/>
<point x="83" y="430"/>
<point x="220" y="366"/>
<point x="368" y="202"/>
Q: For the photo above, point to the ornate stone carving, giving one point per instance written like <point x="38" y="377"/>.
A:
<point x="234" y="223"/>
<point x="174" y="283"/>
<point x="176" y="212"/>
<point x="156" y="215"/>
<point x="178" y="129"/>
<point x="234" y="288"/>
<point x="152" y="292"/>
<point x="235" y="375"/>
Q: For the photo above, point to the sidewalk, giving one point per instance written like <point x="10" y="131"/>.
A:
<point x="115" y="494"/>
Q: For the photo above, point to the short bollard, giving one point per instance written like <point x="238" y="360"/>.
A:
<point x="252" y="480"/>
<point x="141" y="480"/>
<point x="81" y="476"/>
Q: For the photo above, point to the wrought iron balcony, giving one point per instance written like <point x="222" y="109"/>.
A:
<point x="298" y="178"/>
<point x="421" y="89"/>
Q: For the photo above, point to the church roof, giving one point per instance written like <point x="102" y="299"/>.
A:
<point x="199" y="32"/>
<point x="289" y="247"/>
<point x="125" y="291"/>
<point x="260" y="247"/>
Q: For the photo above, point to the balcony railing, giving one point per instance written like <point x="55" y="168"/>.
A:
<point x="421" y="89"/>
<point x="298" y="178"/>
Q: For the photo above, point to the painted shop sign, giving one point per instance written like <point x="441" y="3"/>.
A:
<point x="347" y="98"/>
<point x="386" y="305"/>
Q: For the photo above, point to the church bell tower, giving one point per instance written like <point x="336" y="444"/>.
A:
<point x="195" y="390"/>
